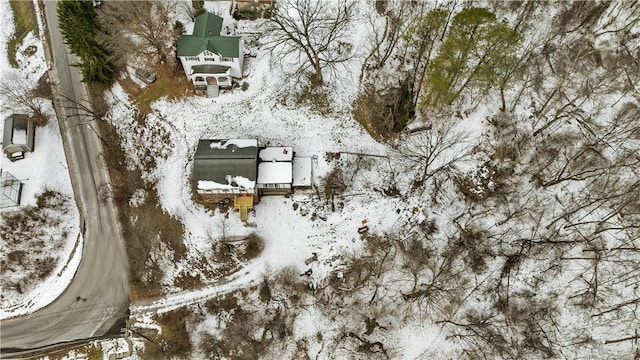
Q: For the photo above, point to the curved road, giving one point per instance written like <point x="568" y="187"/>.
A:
<point x="98" y="297"/>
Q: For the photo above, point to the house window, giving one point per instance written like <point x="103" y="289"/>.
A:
<point x="191" y="58"/>
<point x="209" y="59"/>
<point x="226" y="59"/>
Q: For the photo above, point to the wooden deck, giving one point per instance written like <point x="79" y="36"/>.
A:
<point x="243" y="203"/>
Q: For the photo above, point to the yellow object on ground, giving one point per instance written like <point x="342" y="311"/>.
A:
<point x="243" y="203"/>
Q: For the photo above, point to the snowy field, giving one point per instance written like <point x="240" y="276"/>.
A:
<point x="45" y="169"/>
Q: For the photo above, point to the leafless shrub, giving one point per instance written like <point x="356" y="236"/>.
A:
<point x="288" y="284"/>
<point x="238" y="340"/>
<point x="317" y="98"/>
<point x="579" y="15"/>
<point x="480" y="334"/>
<point x="184" y="280"/>
<point x="265" y="292"/>
<point x="531" y="321"/>
<point x="174" y="339"/>
<point x="481" y="183"/>
<point x="19" y="96"/>
<point x="334" y="184"/>
<point x="472" y="243"/>
<point x="29" y="238"/>
<point x="254" y="246"/>
<point x="227" y="302"/>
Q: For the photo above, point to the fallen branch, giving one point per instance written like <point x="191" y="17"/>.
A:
<point x="617" y="307"/>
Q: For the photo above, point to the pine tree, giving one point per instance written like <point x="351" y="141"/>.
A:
<point x="476" y="51"/>
<point x="78" y="24"/>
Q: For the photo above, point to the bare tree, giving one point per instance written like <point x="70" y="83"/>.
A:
<point x="138" y="26"/>
<point x="385" y="35"/>
<point x="314" y="32"/>
<point x="435" y="149"/>
<point x="18" y="92"/>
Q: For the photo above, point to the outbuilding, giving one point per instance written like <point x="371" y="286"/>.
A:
<point x="18" y="136"/>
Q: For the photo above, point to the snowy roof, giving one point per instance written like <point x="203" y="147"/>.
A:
<point x="18" y="134"/>
<point x="279" y="153"/>
<point x="274" y="173"/>
<point x="239" y="143"/>
<point x="217" y="161"/>
<point x="233" y="182"/>
<point x="301" y="171"/>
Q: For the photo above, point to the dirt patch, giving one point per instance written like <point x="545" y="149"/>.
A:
<point x="24" y="19"/>
<point x="151" y="235"/>
<point x="171" y="82"/>
<point x="174" y="339"/>
<point x="44" y="88"/>
<point x="384" y="113"/>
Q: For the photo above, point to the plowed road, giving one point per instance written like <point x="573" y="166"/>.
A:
<point x="98" y="297"/>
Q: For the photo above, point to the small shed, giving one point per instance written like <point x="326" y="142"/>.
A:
<point x="18" y="136"/>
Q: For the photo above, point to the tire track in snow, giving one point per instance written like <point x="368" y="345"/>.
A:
<point x="248" y="276"/>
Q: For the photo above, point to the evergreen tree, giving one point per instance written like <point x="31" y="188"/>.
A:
<point x="476" y="51"/>
<point x="78" y="24"/>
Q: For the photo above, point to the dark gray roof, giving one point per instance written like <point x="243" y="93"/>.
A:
<point x="226" y="149"/>
<point x="215" y="164"/>
<point x="17" y="122"/>
<point x="209" y="69"/>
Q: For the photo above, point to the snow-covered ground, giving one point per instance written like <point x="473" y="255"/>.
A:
<point x="45" y="169"/>
<point x="292" y="234"/>
<point x="442" y="298"/>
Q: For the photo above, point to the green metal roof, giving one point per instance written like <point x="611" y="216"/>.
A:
<point x="206" y="36"/>
<point x="207" y="24"/>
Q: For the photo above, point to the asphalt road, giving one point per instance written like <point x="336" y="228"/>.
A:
<point x="98" y="297"/>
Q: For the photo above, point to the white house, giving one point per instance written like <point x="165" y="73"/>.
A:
<point x="209" y="59"/>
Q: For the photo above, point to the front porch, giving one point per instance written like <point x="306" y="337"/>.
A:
<point x="210" y="75"/>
